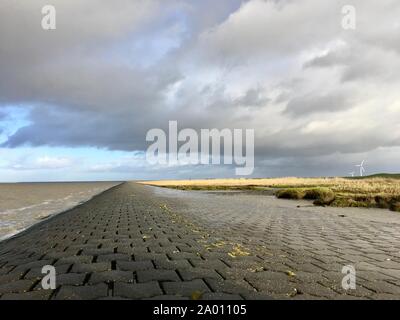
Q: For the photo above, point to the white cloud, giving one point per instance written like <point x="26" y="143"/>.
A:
<point x="26" y="162"/>
<point x="53" y="162"/>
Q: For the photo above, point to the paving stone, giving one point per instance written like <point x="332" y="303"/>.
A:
<point x="183" y="255"/>
<point x="185" y="288"/>
<point x="150" y="256"/>
<point x="172" y="264"/>
<point x="33" y="264"/>
<point x="97" y="251"/>
<point x="16" y="286"/>
<point x="135" y="265"/>
<point x="263" y="276"/>
<point x="168" y="297"/>
<point x="158" y="275"/>
<point x="112" y="275"/>
<point x="13" y="276"/>
<point x="82" y="292"/>
<point x="74" y="259"/>
<point x="359" y="292"/>
<point x="116" y="242"/>
<point x="70" y="279"/>
<point x="374" y="276"/>
<point x="315" y="289"/>
<point x="128" y="250"/>
<point x="386" y="296"/>
<point x="36" y="273"/>
<point x="114" y="257"/>
<point x="137" y="290"/>
<point x="91" y="267"/>
<point x="212" y="264"/>
<point x="256" y="296"/>
<point x="393" y="273"/>
<point x="382" y="287"/>
<point x="230" y="286"/>
<point x="232" y="273"/>
<point x="31" y="295"/>
<point x="220" y="296"/>
<point x="275" y="286"/>
<point x="5" y="270"/>
<point x="198" y="273"/>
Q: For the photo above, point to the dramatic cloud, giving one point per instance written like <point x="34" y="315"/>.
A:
<point x="111" y="71"/>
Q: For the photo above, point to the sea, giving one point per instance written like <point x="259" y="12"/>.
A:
<point x="25" y="204"/>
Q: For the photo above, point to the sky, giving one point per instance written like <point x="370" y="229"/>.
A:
<point x="76" y="102"/>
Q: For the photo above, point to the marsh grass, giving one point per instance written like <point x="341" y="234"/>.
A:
<point x="320" y="195"/>
<point x="381" y="191"/>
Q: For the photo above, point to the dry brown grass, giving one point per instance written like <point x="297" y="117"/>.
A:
<point x="362" y="186"/>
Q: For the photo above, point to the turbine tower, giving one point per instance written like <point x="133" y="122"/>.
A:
<point x="362" y="170"/>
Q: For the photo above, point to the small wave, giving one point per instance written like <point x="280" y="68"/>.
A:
<point x="13" y="221"/>
<point x="11" y="233"/>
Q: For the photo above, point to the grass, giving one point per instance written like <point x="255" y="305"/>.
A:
<point x="377" y="191"/>
<point x="320" y="195"/>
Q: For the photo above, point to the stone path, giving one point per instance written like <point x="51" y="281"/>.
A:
<point x="132" y="243"/>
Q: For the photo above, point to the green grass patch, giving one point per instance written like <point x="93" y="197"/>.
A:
<point x="291" y="193"/>
<point x="323" y="196"/>
<point x="320" y="195"/>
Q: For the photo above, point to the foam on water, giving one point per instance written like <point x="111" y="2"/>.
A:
<point x="23" y="205"/>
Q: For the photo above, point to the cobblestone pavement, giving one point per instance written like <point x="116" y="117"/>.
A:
<point x="135" y="242"/>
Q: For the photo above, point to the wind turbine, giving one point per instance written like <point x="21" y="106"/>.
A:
<point x="361" y="165"/>
<point x="352" y="173"/>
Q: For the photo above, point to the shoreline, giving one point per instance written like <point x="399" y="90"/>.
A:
<point x="54" y="214"/>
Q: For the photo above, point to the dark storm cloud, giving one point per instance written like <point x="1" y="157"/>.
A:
<point x="113" y="70"/>
<point x="83" y="89"/>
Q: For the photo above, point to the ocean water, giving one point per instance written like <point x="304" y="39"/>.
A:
<point x="24" y="204"/>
